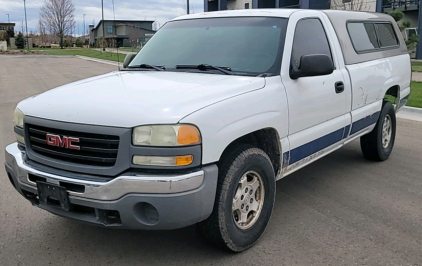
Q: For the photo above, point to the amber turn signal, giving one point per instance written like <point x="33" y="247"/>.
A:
<point x="188" y="135"/>
<point x="184" y="160"/>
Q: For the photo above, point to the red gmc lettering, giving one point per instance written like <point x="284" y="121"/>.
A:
<point x="64" y="142"/>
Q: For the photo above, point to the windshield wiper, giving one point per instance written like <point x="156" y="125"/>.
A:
<point x="158" y="68"/>
<point x="225" y="70"/>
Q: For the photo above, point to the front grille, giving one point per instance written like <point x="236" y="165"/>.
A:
<point x="95" y="149"/>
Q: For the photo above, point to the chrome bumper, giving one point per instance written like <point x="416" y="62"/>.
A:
<point x="111" y="190"/>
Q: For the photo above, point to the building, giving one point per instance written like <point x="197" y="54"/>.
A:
<point x="214" y="5"/>
<point x="121" y="33"/>
<point x="412" y="12"/>
<point x="7" y="26"/>
<point x="410" y="8"/>
<point x="362" y="5"/>
<point x="6" y="32"/>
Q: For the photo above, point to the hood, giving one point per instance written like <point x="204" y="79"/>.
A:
<point x="132" y="98"/>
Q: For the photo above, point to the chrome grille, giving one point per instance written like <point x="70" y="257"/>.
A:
<point x="95" y="149"/>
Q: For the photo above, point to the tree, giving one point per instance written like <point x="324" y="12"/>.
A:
<point x="357" y="5"/>
<point x="43" y="30"/>
<point x="57" y="16"/>
<point x="79" y="43"/>
<point x="20" y="41"/>
<point x="66" y="43"/>
<point x="398" y="16"/>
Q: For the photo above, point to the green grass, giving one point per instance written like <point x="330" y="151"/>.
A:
<point x="415" y="99"/>
<point x="416" y="66"/>
<point x="86" y="52"/>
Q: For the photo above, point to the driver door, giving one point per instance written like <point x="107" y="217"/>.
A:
<point x="317" y="107"/>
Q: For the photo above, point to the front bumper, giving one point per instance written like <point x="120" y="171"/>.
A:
<point x="132" y="201"/>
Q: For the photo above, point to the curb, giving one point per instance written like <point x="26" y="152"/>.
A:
<point x="99" y="60"/>
<point x="410" y="113"/>
<point x="411" y="109"/>
<point x="113" y="51"/>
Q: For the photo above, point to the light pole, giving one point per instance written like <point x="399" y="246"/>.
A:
<point x="187" y="6"/>
<point x="84" y="27"/>
<point x="8" y="18"/>
<point x="102" y="8"/>
<point x="26" y="22"/>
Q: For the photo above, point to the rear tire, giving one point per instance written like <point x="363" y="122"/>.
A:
<point x="379" y="144"/>
<point x="244" y="201"/>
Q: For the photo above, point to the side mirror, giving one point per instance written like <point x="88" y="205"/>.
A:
<point x="128" y="59"/>
<point x="313" y="65"/>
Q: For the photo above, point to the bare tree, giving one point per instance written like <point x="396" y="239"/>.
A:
<point x="357" y="5"/>
<point x="57" y="17"/>
<point x="43" y="30"/>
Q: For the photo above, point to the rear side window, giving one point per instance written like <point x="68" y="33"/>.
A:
<point x="386" y="34"/>
<point x="370" y="36"/>
<point x="363" y="36"/>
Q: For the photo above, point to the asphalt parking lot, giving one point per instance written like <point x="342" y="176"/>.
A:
<point x="341" y="210"/>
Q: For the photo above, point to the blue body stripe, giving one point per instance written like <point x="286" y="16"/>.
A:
<point x="323" y="142"/>
<point x="346" y="131"/>
<point x="314" y="146"/>
<point x="364" y="122"/>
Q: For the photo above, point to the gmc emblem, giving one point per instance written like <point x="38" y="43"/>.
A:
<point x="64" y="142"/>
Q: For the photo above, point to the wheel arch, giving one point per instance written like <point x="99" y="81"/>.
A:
<point x="392" y="94"/>
<point x="266" y="139"/>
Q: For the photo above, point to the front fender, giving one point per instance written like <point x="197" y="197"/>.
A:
<point x="224" y="122"/>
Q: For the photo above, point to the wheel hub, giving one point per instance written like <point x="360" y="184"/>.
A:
<point x="245" y="203"/>
<point x="386" y="131"/>
<point x="248" y="200"/>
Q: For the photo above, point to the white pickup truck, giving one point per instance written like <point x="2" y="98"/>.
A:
<point x="201" y="123"/>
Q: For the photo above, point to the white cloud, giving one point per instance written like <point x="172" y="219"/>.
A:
<point x="12" y="5"/>
<point x="160" y="10"/>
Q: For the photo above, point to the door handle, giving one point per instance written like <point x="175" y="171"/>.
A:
<point x="339" y="86"/>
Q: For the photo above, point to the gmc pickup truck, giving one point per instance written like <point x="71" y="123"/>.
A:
<point x="201" y="123"/>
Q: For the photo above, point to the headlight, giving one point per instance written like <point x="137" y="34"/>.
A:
<point x="166" y="135"/>
<point x="18" y="118"/>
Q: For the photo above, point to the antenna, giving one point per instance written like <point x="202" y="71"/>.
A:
<point x="116" y="46"/>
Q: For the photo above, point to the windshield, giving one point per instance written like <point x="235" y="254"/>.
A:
<point x="245" y="45"/>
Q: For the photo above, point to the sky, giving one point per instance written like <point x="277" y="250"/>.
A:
<point x="157" y="10"/>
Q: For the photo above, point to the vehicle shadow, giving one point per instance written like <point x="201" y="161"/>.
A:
<point x="184" y="246"/>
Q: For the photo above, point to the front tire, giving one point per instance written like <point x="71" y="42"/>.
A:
<point x="244" y="201"/>
<point x="379" y="144"/>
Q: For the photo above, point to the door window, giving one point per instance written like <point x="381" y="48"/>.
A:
<point x="310" y="38"/>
